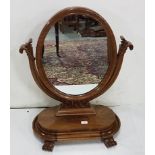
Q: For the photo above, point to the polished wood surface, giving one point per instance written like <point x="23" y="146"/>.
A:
<point x="115" y="60"/>
<point x="64" y="122"/>
<point x="75" y="109"/>
<point x="104" y="124"/>
<point x="67" y="123"/>
<point x="111" y="49"/>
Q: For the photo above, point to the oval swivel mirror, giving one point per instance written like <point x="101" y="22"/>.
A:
<point x="76" y="61"/>
<point x="75" y="57"/>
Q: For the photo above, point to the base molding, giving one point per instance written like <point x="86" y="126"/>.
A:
<point x="73" y="109"/>
<point x="51" y="128"/>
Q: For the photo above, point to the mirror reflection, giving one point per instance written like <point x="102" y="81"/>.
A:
<point x="75" y="55"/>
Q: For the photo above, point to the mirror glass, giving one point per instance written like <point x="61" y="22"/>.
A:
<point x="75" y="57"/>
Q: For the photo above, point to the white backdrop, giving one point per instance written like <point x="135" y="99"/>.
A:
<point x="125" y="18"/>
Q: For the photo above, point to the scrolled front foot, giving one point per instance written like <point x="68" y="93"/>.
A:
<point x="109" y="142"/>
<point x="48" y="146"/>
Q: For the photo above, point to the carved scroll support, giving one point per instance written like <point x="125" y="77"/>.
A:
<point x="121" y="51"/>
<point x="27" y="47"/>
<point x="124" y="46"/>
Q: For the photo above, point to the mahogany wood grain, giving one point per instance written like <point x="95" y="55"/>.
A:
<point x="115" y="61"/>
<point x="62" y="123"/>
<point x="51" y="128"/>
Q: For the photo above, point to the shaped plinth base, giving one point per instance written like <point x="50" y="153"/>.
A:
<point x="51" y="128"/>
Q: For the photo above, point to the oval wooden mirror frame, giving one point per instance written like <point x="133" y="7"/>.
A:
<point x="115" y="59"/>
<point x="112" y="55"/>
<point x="103" y="121"/>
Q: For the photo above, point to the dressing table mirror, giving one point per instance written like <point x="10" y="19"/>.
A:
<point x="76" y="61"/>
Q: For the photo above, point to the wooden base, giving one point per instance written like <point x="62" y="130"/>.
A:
<point x="75" y="109"/>
<point x="51" y="128"/>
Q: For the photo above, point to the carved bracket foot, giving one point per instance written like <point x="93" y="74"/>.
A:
<point x="48" y="146"/>
<point x="109" y="142"/>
